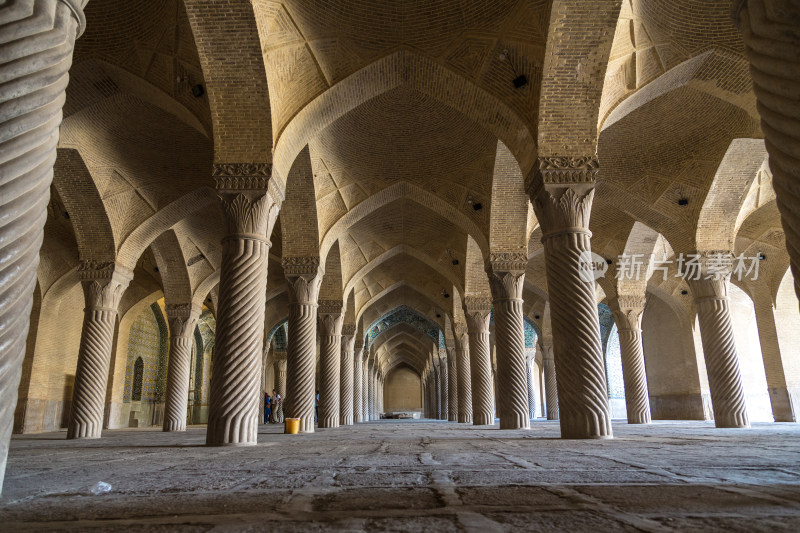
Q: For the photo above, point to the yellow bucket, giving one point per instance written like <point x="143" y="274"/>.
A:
<point x="292" y="426"/>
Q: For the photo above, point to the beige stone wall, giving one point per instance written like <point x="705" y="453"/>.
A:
<point x="403" y="391"/>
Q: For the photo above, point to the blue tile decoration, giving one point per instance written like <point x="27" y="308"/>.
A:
<point x="606" y="321"/>
<point x="278" y="332"/>
<point x="405" y="314"/>
<point x="531" y="332"/>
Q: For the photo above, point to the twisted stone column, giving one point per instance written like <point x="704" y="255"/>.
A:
<point x="477" y="312"/>
<point x="103" y="286"/>
<point x="771" y="30"/>
<point x="250" y="213"/>
<point x="346" y="380"/>
<point x="506" y="272"/>
<point x="358" y="376"/>
<point x="371" y="392"/>
<point x="280" y="388"/>
<point x="330" y="350"/>
<point x="464" y="374"/>
<point x="627" y="312"/>
<point x="437" y="387"/>
<point x="719" y="349"/>
<point x="365" y="388"/>
<point x="280" y="377"/>
<point x="563" y="212"/>
<point x="452" y="385"/>
<point x="550" y="383"/>
<point x="35" y="56"/>
<point x="182" y="323"/>
<point x="531" y="388"/>
<point x="304" y="277"/>
<point x="445" y="387"/>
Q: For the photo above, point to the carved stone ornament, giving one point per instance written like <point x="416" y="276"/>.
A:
<point x="242" y="176"/>
<point x="507" y="261"/>
<point x="182" y="319"/>
<point x="506" y="284"/>
<point x="567" y="170"/>
<point x="568" y="211"/>
<point x="331" y="307"/>
<point x="631" y="302"/>
<point x="103" y="284"/>
<point x="301" y="266"/>
<point x="248" y="216"/>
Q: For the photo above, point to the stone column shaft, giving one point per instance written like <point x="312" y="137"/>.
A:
<point x="563" y="212"/>
<point x="346" y="379"/>
<point x="34" y="71"/>
<point x="330" y="349"/>
<point x="280" y="388"/>
<point x="358" y="376"/>
<point x="719" y="349"/>
<point x="477" y="314"/>
<point x="506" y="272"/>
<point x="305" y="278"/>
<point x="771" y="30"/>
<point x="443" y="369"/>
<point x="182" y="323"/>
<point x="371" y="394"/>
<point x="628" y="315"/>
<point x="103" y="287"/>
<point x="452" y="385"/>
<point x="550" y="383"/>
<point x="365" y="389"/>
<point x="464" y="375"/>
<point x="531" y="388"/>
<point x="437" y="387"/>
<point x="250" y="213"/>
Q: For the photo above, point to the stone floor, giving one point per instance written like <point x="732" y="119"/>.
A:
<point x="410" y="476"/>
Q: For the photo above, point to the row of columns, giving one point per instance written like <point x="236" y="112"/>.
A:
<point x="562" y="194"/>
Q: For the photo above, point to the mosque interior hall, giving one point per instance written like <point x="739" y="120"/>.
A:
<point x="369" y="265"/>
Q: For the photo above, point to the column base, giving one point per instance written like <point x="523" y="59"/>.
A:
<point x="784" y="400"/>
<point x="515" y="422"/>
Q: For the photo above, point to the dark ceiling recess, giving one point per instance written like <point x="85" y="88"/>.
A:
<point x="683" y="202"/>
<point x="198" y="91"/>
<point x="455" y="262"/>
<point x="477" y="206"/>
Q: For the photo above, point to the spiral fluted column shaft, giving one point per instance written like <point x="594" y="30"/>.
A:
<point x="719" y="349"/>
<point x="358" y="375"/>
<point x="346" y="383"/>
<point x="507" y="273"/>
<point x="445" y="391"/>
<point x="304" y="278"/>
<point x="452" y="386"/>
<point x="178" y="374"/>
<point x="580" y="368"/>
<point x="481" y="370"/>
<point x="182" y="324"/>
<point x="464" y="381"/>
<point x="300" y="357"/>
<point x="91" y="376"/>
<point x="365" y="391"/>
<point x="371" y="395"/>
<point x="637" y="398"/>
<point x="550" y="388"/>
<point x="771" y="30"/>
<point x="330" y="347"/>
<point x="531" y="389"/>
<point x="36" y="43"/>
<point x="233" y="409"/>
<point x="280" y="377"/>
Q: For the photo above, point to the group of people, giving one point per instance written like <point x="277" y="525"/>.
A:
<point x="273" y="408"/>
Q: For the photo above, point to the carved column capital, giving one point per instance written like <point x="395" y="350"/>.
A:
<point x="331" y="317"/>
<point x="229" y="177"/>
<point x="627" y="311"/>
<point x="182" y="319"/>
<point x="477" y="311"/>
<point x="103" y="284"/>
<point x="506" y="272"/>
<point x="304" y="276"/>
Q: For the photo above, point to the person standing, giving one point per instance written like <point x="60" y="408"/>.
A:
<point x="267" y="407"/>
<point x="316" y="406"/>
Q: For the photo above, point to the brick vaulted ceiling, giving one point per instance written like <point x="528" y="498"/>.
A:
<point x="401" y="105"/>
